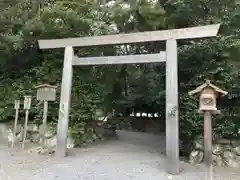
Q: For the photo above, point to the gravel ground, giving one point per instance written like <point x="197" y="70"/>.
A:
<point x="136" y="156"/>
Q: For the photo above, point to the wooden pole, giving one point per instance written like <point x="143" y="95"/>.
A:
<point x="64" y="108"/>
<point x="25" y="128"/>
<point x="15" y="127"/>
<point x="45" y="111"/>
<point x="208" y="144"/>
<point x="172" y="122"/>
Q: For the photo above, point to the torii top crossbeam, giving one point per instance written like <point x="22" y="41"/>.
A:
<point x="184" y="33"/>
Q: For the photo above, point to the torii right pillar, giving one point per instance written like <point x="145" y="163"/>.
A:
<point x="172" y="121"/>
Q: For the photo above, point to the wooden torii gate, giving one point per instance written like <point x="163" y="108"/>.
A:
<point x="170" y="56"/>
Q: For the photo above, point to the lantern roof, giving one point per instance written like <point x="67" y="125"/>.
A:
<point x="208" y="84"/>
<point x="45" y="85"/>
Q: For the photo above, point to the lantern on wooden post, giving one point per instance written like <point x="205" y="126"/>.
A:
<point x="26" y="107"/>
<point x="16" y="107"/>
<point x="45" y="93"/>
<point x="208" y="94"/>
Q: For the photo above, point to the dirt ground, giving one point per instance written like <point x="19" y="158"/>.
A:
<point x="136" y="156"/>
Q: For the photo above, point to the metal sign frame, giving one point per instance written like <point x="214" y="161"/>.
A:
<point x="170" y="36"/>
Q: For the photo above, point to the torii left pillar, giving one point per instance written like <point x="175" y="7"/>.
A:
<point x="65" y="101"/>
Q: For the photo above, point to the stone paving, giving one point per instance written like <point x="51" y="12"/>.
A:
<point x="135" y="156"/>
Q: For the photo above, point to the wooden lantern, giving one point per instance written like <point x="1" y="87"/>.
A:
<point x="208" y="93"/>
<point x="46" y="92"/>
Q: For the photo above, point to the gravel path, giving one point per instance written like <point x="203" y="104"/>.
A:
<point x="135" y="156"/>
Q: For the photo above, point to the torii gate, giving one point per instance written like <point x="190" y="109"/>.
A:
<point x="170" y="56"/>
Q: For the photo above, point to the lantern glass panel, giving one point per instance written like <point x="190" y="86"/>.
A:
<point x="208" y="102"/>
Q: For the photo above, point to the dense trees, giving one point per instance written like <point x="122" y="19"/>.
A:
<point x="119" y="87"/>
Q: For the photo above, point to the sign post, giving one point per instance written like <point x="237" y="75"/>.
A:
<point x="208" y="94"/>
<point x="16" y="107"/>
<point x="27" y="106"/>
<point x="45" y="93"/>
